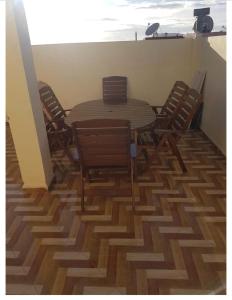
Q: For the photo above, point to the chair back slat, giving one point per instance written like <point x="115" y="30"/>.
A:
<point x="103" y="143"/>
<point x="51" y="106"/>
<point x="186" y="110"/>
<point x="114" y="89"/>
<point x="175" y="98"/>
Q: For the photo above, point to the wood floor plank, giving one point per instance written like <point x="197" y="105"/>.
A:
<point x="113" y="229"/>
<point x="144" y="256"/>
<point x="104" y="290"/>
<point x="58" y="241"/>
<point x="44" y="229"/>
<point x="86" y="272"/>
<point x="157" y="218"/>
<point x="68" y="255"/>
<point x="167" y="274"/>
<point x="23" y="289"/>
<point x="125" y="242"/>
<point x="200" y="208"/>
<point x="175" y="229"/>
<point x="17" y="270"/>
<point x="214" y="258"/>
<point x="197" y="243"/>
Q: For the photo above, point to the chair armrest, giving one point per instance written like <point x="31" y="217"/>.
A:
<point x="58" y="132"/>
<point x="162" y="122"/>
<point x="145" y="128"/>
<point x="61" y="137"/>
<point x="57" y="124"/>
<point x="168" y="131"/>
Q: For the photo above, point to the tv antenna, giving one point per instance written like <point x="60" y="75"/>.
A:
<point x="152" y="29"/>
<point x="204" y="23"/>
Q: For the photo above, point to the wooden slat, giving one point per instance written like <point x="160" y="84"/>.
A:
<point x="175" y="98"/>
<point x="114" y="89"/>
<point x="187" y="110"/>
<point x="50" y="102"/>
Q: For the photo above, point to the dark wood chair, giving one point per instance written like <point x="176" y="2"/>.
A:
<point x="114" y="89"/>
<point x="180" y="122"/>
<point x="59" y="134"/>
<point x="171" y="105"/>
<point x="52" y="108"/>
<point x="104" y="143"/>
<point x="54" y="115"/>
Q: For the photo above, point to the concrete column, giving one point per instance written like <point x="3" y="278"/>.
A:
<point x="23" y="103"/>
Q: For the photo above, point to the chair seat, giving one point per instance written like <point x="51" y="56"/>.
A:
<point x="76" y="157"/>
<point x="104" y="143"/>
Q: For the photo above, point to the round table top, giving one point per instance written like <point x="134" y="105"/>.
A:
<point x="138" y="112"/>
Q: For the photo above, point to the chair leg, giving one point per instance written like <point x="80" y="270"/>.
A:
<point x="135" y="169"/>
<point x="82" y="191"/>
<point x="87" y="176"/>
<point x="132" y="184"/>
<point x="156" y="149"/>
<point x="162" y="142"/>
<point x="175" y="151"/>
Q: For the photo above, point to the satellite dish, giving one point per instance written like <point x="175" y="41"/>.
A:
<point x="203" y="24"/>
<point x="152" y="29"/>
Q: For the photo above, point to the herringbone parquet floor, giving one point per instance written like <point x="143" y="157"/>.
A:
<point x="174" y="243"/>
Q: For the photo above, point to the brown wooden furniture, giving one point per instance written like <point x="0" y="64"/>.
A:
<point x="174" y="99"/>
<point x="103" y="143"/>
<point x="180" y="122"/>
<point x="138" y="112"/>
<point x="58" y="133"/>
<point x="52" y="108"/>
<point x="114" y="89"/>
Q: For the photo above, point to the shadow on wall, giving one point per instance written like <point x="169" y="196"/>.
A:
<point x="212" y="59"/>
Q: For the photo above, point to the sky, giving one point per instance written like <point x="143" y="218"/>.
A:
<point x="78" y="21"/>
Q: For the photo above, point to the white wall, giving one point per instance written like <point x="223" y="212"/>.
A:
<point x="75" y="71"/>
<point x="212" y="58"/>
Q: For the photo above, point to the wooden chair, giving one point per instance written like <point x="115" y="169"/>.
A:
<point x="52" y="108"/>
<point x="180" y="122"/>
<point x="172" y="104"/>
<point x="54" y="115"/>
<point x="114" y="89"/>
<point x="58" y="133"/>
<point x="104" y="143"/>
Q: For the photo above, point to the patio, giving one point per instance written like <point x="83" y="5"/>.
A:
<point x="174" y="242"/>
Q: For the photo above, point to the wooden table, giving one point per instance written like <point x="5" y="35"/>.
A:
<point x="138" y="112"/>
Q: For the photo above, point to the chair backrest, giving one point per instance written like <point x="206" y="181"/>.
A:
<point x="114" y="89"/>
<point x="175" y="97"/>
<point x="186" y="110"/>
<point x="51" y="106"/>
<point x="103" y="142"/>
